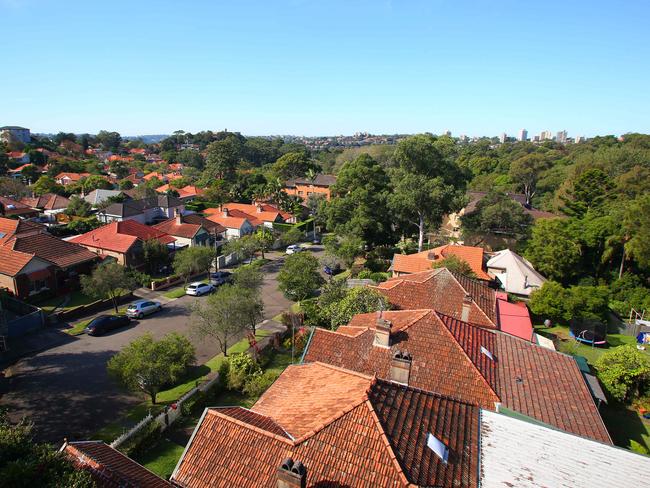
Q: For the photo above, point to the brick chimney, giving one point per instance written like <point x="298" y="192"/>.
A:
<point x="225" y="212"/>
<point x="259" y="207"/>
<point x="467" y="305"/>
<point x="179" y="217"/>
<point x="400" y="367"/>
<point x="292" y="474"/>
<point x="382" y="331"/>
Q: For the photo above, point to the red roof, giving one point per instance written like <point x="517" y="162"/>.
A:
<point x="11" y="262"/>
<point x="422" y="261"/>
<point x="120" y="236"/>
<point x="231" y="221"/>
<point x="13" y="227"/>
<point x="183" y="229"/>
<point x="71" y="176"/>
<point x="515" y="319"/>
<point x="261" y="212"/>
<point x="57" y="251"/>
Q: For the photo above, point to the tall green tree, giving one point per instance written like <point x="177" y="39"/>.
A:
<point x="78" y="207"/>
<point x="359" y="205"/>
<point x="108" y="280"/>
<point x="554" y="249"/>
<point x="110" y="141"/>
<point x="299" y="277"/>
<point x="346" y="248"/>
<point x="155" y="255"/>
<point x="625" y="372"/>
<point x="526" y="171"/>
<point x="193" y="260"/>
<point x="148" y="365"/>
<point x="222" y="158"/>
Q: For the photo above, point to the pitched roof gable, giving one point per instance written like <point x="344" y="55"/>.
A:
<point x="422" y="261"/>
<point x="12" y="262"/>
<point x="57" y="251"/>
<point x="120" y="236"/>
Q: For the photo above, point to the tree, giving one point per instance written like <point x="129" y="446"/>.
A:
<point x="426" y="185"/>
<point x="346" y="248"/>
<point x="637" y="227"/>
<point x="193" y="260"/>
<point x="220" y="317"/>
<point x="292" y="165"/>
<point x="222" y="158"/>
<point x="251" y="306"/>
<point x="245" y="247"/>
<point x="356" y="301"/>
<point x="299" y="277"/>
<point x="126" y="184"/>
<point x="497" y="213"/>
<point x="110" y="141"/>
<point x="47" y="184"/>
<point x="526" y="171"/>
<point x="587" y="303"/>
<point x="78" y="207"/>
<point x="108" y="280"/>
<point x="589" y="191"/>
<point x="264" y="238"/>
<point x="93" y="182"/>
<point x="13" y="188"/>
<point x="155" y="255"/>
<point x="455" y="264"/>
<point x="292" y="236"/>
<point x="148" y="365"/>
<point x="248" y="277"/>
<point x="30" y="173"/>
<point x="25" y="463"/>
<point x="359" y="202"/>
<point x="549" y="302"/>
<point x="625" y="372"/>
<point x="553" y="249"/>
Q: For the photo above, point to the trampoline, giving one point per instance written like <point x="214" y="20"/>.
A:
<point x="592" y="336"/>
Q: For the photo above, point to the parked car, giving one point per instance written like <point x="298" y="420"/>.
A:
<point x="294" y="248"/>
<point x="105" y="323"/>
<point x="197" y="289"/>
<point x="316" y="240"/>
<point x="220" y="277"/>
<point x="143" y="307"/>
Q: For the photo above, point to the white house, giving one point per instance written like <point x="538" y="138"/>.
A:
<point x="514" y="272"/>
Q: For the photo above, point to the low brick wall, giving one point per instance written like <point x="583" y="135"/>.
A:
<point x="96" y="306"/>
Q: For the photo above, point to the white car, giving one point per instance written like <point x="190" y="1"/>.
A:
<point x="197" y="289"/>
<point x="139" y="309"/>
<point x="294" y="248"/>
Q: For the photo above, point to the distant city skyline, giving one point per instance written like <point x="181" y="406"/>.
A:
<point x="325" y="68"/>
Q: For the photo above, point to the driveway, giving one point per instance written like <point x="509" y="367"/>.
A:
<point x="66" y="391"/>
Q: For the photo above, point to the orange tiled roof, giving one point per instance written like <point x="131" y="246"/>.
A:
<point x="72" y="176"/>
<point x="373" y="435"/>
<point x="173" y="228"/>
<point x="230" y="222"/>
<point x="447" y="358"/>
<point x="444" y="291"/>
<point x="422" y="261"/>
<point x="265" y="212"/>
<point x="11" y="262"/>
<point x="209" y="225"/>
<point x="57" y="251"/>
<point x="13" y="227"/>
<point x="110" y="468"/>
<point x="120" y="236"/>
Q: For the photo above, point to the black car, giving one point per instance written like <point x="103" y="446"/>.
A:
<point x="104" y="323"/>
<point x="220" y="277"/>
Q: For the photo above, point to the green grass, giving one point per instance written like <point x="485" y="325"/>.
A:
<point x="77" y="298"/>
<point x="162" y="458"/>
<point x="175" y="292"/>
<point x="79" y="327"/>
<point x="625" y="424"/>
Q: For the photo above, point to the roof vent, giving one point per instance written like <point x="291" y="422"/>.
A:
<point x="487" y="352"/>
<point x="467" y="306"/>
<point x="382" y="331"/>
<point x="292" y="474"/>
<point x="400" y="367"/>
<point x="438" y="447"/>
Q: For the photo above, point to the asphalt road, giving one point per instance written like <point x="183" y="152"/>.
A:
<point x="66" y="391"/>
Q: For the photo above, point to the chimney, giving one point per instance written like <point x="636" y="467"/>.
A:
<point x="400" y="367"/>
<point x="382" y="331"/>
<point x="467" y="305"/>
<point x="258" y="206"/>
<point x="292" y="474"/>
<point x="225" y="212"/>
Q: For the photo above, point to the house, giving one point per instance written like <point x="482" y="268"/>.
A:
<point x="423" y="261"/>
<point x="69" y="178"/>
<point x="144" y="211"/>
<point x="99" y="196"/>
<point x="122" y="240"/>
<point x="428" y="350"/>
<point x="235" y="222"/>
<point x="321" y="426"/>
<point x="11" y="133"/>
<point x="33" y="262"/>
<point x="48" y="204"/>
<point x="305" y="187"/>
<point x="459" y="296"/>
<point x="13" y="208"/>
<point x="18" y="157"/>
<point x="186" y="194"/>
<point x="514" y="272"/>
<point x="191" y="232"/>
<point x="16" y="227"/>
<point x="260" y="213"/>
<point x="217" y="231"/>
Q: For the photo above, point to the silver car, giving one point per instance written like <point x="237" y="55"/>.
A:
<point x="139" y="309"/>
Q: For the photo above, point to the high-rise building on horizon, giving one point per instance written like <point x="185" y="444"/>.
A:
<point x="503" y="137"/>
<point x="523" y="135"/>
<point x="545" y="135"/>
<point x="561" y="137"/>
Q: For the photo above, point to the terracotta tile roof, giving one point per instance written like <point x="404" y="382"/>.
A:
<point x="547" y="385"/>
<point x="120" y="236"/>
<point x="447" y="358"/>
<point x="422" y="261"/>
<point x="11" y="262"/>
<point x="153" y="174"/>
<point x="376" y="440"/>
<point x="209" y="225"/>
<point x="109" y="467"/>
<point x="444" y="291"/>
<point x="14" y="207"/>
<point x="305" y="410"/>
<point x="443" y="362"/>
<point x="72" y="176"/>
<point x="263" y="211"/>
<point x="57" y="251"/>
<point x="13" y="227"/>
<point x="230" y="221"/>
<point x="173" y="228"/>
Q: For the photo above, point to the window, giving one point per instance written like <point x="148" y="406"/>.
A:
<point x="36" y="286"/>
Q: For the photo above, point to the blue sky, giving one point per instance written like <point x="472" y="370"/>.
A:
<point x="326" y="67"/>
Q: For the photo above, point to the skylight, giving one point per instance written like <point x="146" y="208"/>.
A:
<point x="2" y="234"/>
<point x="487" y="353"/>
<point x="437" y="446"/>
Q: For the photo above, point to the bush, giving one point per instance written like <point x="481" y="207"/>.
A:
<point x="241" y="366"/>
<point x="376" y="265"/>
<point x="365" y="274"/>
<point x="142" y="441"/>
<point x="258" y="383"/>
<point x="356" y="301"/>
<point x="379" y="277"/>
<point x="301" y="337"/>
<point x="625" y="372"/>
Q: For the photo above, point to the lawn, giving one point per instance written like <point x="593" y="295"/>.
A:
<point x="77" y="298"/>
<point x="162" y="458"/>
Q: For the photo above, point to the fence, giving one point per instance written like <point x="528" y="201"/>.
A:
<point x="168" y="416"/>
<point x="96" y="306"/>
<point x="21" y="317"/>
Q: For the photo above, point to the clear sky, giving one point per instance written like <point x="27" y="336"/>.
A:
<point x="324" y="67"/>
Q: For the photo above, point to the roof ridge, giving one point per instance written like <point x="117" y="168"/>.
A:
<point x="479" y="283"/>
<point x="336" y="416"/>
<point x="337" y="368"/>
<point x="215" y="411"/>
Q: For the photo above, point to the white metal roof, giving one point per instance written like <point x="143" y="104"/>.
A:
<point x="516" y="453"/>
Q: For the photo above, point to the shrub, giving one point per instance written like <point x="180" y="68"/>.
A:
<point x="356" y="301"/>
<point x="241" y="367"/>
<point x="365" y="274"/>
<point x="625" y="372"/>
<point x="142" y="441"/>
<point x="258" y="383"/>
<point x="379" y="277"/>
<point x="301" y="337"/>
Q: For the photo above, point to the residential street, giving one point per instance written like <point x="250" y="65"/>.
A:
<point x="66" y="391"/>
